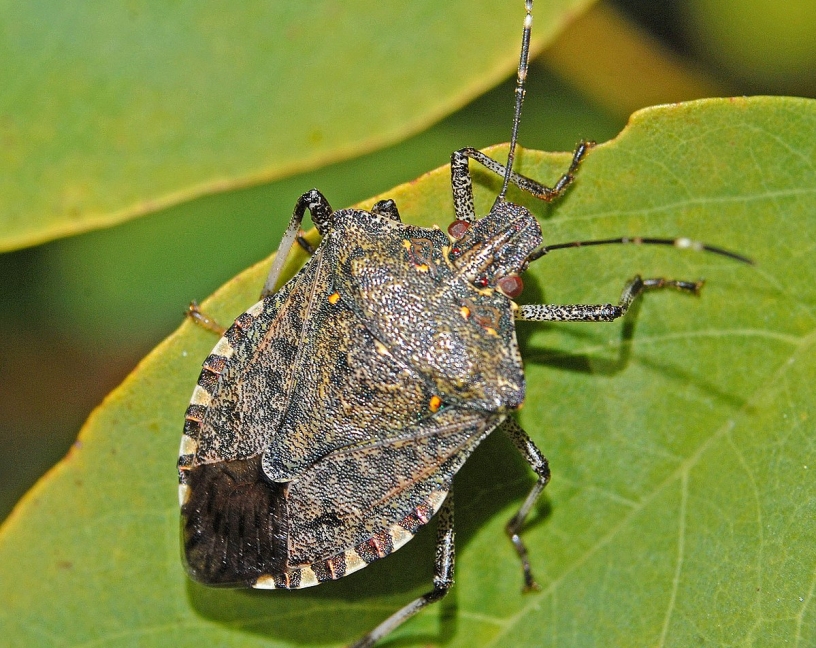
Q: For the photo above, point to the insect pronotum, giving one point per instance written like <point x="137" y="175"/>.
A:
<point x="331" y="417"/>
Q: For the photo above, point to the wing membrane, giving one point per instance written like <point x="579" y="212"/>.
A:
<point x="352" y="494"/>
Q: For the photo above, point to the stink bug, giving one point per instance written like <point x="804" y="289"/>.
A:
<point x="331" y="417"/>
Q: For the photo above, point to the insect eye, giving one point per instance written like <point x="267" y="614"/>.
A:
<point x="481" y="282"/>
<point x="458" y="228"/>
<point x="511" y="285"/>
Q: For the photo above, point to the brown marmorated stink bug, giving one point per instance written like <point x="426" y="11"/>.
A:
<point x="331" y="417"/>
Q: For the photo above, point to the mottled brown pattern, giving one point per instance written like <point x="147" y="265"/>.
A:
<point x="208" y="380"/>
<point x="290" y="580"/>
<point x="376" y="547"/>
<point x="192" y="427"/>
<point x="250" y="388"/>
<point x="353" y="411"/>
<point x="369" y="488"/>
<point x="330" y="569"/>
<point x="215" y="363"/>
<point x="415" y="519"/>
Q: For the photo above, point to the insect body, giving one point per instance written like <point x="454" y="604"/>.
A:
<point x="333" y="414"/>
<point x="331" y="417"/>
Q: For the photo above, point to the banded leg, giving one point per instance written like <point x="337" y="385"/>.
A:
<point x="462" y="184"/>
<point x="443" y="578"/>
<point x="321" y="212"/>
<point x="538" y="462"/>
<point x="603" y="312"/>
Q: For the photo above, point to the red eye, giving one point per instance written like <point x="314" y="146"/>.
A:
<point x="458" y="228"/>
<point x="511" y="285"/>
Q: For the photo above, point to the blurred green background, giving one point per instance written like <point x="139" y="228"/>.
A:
<point x="79" y="312"/>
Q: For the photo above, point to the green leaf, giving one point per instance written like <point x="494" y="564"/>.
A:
<point x="681" y="510"/>
<point x="113" y="110"/>
<point x="150" y="266"/>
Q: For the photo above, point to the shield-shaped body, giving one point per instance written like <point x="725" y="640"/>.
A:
<point x="329" y="420"/>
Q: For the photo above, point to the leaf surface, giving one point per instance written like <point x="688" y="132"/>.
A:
<point x="681" y="510"/>
<point x="113" y="110"/>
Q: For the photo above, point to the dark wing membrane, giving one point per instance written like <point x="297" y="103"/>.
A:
<point x="353" y="494"/>
<point x="233" y="523"/>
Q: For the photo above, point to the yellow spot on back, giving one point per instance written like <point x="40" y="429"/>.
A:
<point x="422" y="268"/>
<point x="465" y="312"/>
<point x="435" y="403"/>
<point x="334" y="298"/>
<point x="406" y="244"/>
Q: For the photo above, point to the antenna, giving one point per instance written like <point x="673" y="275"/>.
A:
<point x="681" y="243"/>
<point x="520" y="91"/>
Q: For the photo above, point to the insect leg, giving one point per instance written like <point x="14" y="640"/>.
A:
<point x="386" y="208"/>
<point x="603" y="312"/>
<point x="462" y="186"/>
<point x="203" y="320"/>
<point x="321" y="212"/>
<point x="538" y="462"/>
<point x="462" y="183"/>
<point x="443" y="578"/>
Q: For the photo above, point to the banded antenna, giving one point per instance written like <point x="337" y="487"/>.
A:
<point x="521" y="80"/>
<point x="682" y="243"/>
